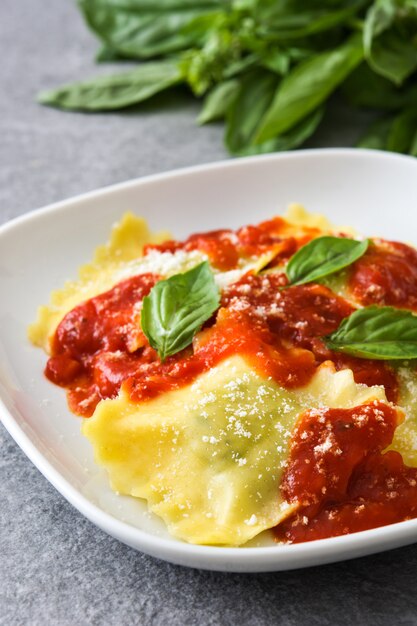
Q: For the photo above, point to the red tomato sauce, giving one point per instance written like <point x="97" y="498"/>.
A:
<point x="94" y="346"/>
<point x="339" y="474"/>
<point x="233" y="333"/>
<point x="225" y="247"/>
<point x="300" y="316"/>
<point x="99" y="345"/>
<point x="386" y="275"/>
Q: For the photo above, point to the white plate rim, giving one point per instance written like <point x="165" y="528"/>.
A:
<point x="253" y="559"/>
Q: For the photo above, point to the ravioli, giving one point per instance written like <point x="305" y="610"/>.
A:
<point x="209" y="457"/>
<point x="405" y="438"/>
<point x="300" y="219"/>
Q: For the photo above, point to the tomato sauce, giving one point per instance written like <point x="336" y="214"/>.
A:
<point x="231" y="334"/>
<point x="386" y="275"/>
<point x="225" y="247"/>
<point x="301" y="316"/>
<point x="94" y="346"/>
<point x="99" y="345"/>
<point x="369" y="372"/>
<point x="339" y="474"/>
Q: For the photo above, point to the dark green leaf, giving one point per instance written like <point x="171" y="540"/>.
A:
<point x="280" y="60"/>
<point x="413" y="148"/>
<point x="107" y="55"/>
<point x="390" y="38"/>
<point x="402" y="131"/>
<point x="307" y="86"/>
<point x="382" y="333"/>
<point x="218" y="102"/>
<point x="380" y="16"/>
<point x="177" y="307"/>
<point x="288" y="141"/>
<point x="147" y="28"/>
<point x="277" y="61"/>
<point x="365" y="88"/>
<point x="376" y="137"/>
<point x="115" y="91"/>
<point x="239" y="66"/>
<point x="393" y="57"/>
<point x="395" y="134"/>
<point x="296" y="19"/>
<point x="254" y="97"/>
<point x="323" y="256"/>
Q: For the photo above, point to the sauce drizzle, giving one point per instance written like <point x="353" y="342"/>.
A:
<point x="339" y="474"/>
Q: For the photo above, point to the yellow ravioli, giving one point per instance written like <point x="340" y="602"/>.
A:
<point x="301" y="219"/>
<point x="405" y="437"/>
<point x="209" y="457"/>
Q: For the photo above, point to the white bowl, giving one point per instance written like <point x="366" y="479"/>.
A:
<point x="375" y="192"/>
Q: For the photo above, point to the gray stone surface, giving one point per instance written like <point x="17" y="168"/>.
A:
<point x="56" y="568"/>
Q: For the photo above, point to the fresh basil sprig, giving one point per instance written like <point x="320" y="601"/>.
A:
<point x="382" y="333"/>
<point x="177" y="307"/>
<point x="266" y="68"/>
<point x="323" y="256"/>
<point x="308" y="86"/>
<point x="115" y="91"/>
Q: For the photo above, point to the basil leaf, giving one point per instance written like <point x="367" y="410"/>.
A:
<point x="364" y="88"/>
<point x="276" y="60"/>
<point x="376" y="137"/>
<point x="115" y="91"/>
<point x="254" y="97"/>
<point x="393" y="133"/>
<point x="105" y="54"/>
<point x="307" y="86"/>
<point x="382" y="333"/>
<point x="289" y="140"/>
<point x="177" y="307"/>
<point x="280" y="60"/>
<point x="323" y="256"/>
<point x="389" y="38"/>
<point x="295" y="19"/>
<point x="402" y="131"/>
<point x="141" y="29"/>
<point x="218" y="102"/>
<point x="393" y="56"/>
<point x="413" y="147"/>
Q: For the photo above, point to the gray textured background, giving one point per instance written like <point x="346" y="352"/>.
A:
<point x="56" y="568"/>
